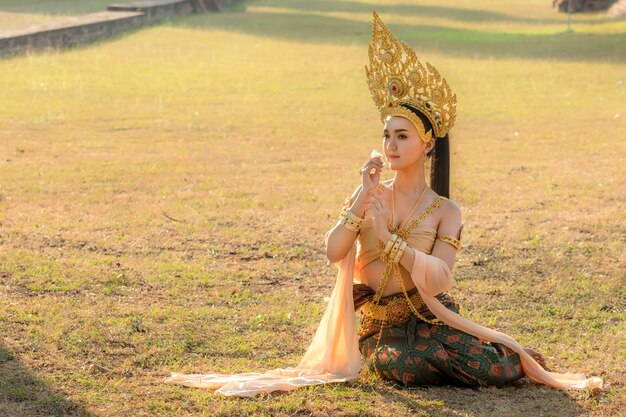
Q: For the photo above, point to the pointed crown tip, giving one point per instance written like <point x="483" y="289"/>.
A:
<point x="395" y="75"/>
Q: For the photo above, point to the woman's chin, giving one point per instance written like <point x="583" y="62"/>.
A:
<point x="394" y="165"/>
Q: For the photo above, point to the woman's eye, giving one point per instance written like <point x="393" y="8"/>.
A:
<point x="402" y="137"/>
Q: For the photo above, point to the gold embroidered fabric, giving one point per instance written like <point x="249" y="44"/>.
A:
<point x="397" y="308"/>
<point x="393" y="311"/>
<point x="421" y="238"/>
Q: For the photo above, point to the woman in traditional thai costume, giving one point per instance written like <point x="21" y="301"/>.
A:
<point x="398" y="241"/>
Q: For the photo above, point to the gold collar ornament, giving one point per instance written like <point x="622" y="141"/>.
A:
<point x="398" y="80"/>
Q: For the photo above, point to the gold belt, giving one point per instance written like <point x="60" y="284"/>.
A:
<point x="396" y="311"/>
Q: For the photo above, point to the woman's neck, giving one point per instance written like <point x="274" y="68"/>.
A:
<point x="410" y="181"/>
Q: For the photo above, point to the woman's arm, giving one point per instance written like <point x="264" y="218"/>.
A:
<point x="340" y="239"/>
<point x="434" y="271"/>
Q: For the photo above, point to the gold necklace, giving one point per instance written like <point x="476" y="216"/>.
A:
<point x="391" y="266"/>
<point x="412" y="211"/>
<point x="396" y="268"/>
<point x="392" y="229"/>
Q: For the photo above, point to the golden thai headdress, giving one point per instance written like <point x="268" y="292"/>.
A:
<point x="397" y="81"/>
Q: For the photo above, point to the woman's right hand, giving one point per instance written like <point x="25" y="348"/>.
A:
<point x="368" y="180"/>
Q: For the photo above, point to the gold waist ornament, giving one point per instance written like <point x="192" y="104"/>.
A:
<point x="396" y="311"/>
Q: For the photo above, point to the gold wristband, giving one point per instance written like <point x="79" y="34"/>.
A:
<point x="400" y="251"/>
<point x="352" y="215"/>
<point x="351" y="221"/>
<point x="396" y="245"/>
<point x="348" y="224"/>
<point x="390" y="243"/>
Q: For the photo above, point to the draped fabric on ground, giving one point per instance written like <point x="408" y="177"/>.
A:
<point x="334" y="356"/>
<point x="431" y="276"/>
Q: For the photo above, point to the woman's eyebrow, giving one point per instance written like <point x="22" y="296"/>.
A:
<point x="398" y="130"/>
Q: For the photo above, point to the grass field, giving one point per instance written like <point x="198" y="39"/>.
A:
<point x="164" y="196"/>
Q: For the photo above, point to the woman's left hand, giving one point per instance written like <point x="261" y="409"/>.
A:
<point x="377" y="209"/>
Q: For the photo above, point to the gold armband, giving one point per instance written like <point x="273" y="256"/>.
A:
<point x="451" y="240"/>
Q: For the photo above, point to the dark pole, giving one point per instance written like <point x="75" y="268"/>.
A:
<point x="569" y="15"/>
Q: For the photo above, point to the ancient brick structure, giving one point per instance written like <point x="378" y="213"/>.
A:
<point x="119" y="17"/>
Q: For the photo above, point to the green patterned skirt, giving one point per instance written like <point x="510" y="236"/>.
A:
<point x="418" y="353"/>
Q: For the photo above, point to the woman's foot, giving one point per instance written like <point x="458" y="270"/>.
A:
<point x="538" y="357"/>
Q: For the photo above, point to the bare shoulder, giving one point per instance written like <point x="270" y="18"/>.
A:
<point x="451" y="208"/>
<point x="451" y="221"/>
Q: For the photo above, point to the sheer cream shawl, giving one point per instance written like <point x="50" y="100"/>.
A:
<point x="333" y="355"/>
<point x="431" y="276"/>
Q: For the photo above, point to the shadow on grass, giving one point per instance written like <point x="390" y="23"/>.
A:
<point x="311" y="28"/>
<point x="299" y="26"/>
<point x="523" y="398"/>
<point x="23" y="394"/>
<point x="458" y="14"/>
<point x="453" y="13"/>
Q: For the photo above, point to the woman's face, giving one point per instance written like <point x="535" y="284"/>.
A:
<point x="402" y="144"/>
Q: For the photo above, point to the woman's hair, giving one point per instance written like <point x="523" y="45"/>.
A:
<point x="440" y="163"/>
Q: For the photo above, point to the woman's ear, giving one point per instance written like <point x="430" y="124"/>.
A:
<point x="430" y="145"/>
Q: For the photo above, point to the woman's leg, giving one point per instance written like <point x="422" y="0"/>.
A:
<point x="478" y="363"/>
<point x="396" y="361"/>
<point x="419" y="353"/>
<point x="481" y="363"/>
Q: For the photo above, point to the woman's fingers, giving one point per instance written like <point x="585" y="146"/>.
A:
<point x="370" y="208"/>
<point x="374" y="205"/>
<point x="376" y="195"/>
<point x="371" y="163"/>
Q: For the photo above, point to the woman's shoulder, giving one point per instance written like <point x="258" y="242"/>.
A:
<point x="451" y="206"/>
<point x="451" y="221"/>
<point x="450" y="210"/>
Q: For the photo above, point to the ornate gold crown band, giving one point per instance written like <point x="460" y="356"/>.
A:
<point x="396" y="80"/>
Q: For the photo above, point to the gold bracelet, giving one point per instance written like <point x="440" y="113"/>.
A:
<point x="394" y="251"/>
<point x="390" y="243"/>
<point x="351" y="221"/>
<point x="352" y="215"/>
<point x="400" y="251"/>
<point x="348" y="224"/>
<point x="396" y="245"/>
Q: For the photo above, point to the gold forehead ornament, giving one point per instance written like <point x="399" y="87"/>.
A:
<point x="397" y="80"/>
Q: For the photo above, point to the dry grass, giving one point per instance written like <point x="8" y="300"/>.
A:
<point x="164" y="197"/>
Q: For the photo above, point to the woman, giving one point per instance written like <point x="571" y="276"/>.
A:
<point x="415" y="350"/>
<point x="398" y="240"/>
